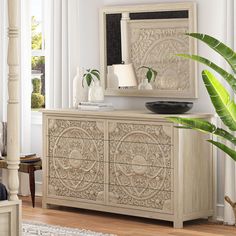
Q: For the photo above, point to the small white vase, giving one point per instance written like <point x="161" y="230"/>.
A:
<point x="144" y="85"/>
<point x="79" y="93"/>
<point x="95" y="92"/>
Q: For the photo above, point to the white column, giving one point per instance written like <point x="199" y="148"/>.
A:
<point x="13" y="107"/>
<point x="125" y="37"/>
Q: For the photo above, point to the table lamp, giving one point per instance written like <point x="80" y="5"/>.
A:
<point x="125" y="74"/>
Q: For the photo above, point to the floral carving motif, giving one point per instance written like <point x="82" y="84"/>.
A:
<point x="76" y="158"/>
<point x="155" y="43"/>
<point x="140" y="165"/>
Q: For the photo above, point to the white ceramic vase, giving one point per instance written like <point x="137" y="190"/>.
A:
<point x="144" y="85"/>
<point x="79" y="92"/>
<point x="95" y="92"/>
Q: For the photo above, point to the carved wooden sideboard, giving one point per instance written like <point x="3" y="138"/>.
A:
<point x="133" y="163"/>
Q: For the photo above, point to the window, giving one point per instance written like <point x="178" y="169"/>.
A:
<point x="38" y="55"/>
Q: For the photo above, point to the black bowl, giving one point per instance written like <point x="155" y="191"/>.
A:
<point x="169" y="107"/>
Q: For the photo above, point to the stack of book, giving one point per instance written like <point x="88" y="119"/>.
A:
<point x="95" y="106"/>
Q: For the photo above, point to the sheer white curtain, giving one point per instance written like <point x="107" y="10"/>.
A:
<point x="25" y="85"/>
<point x="230" y="165"/>
<point x="61" y="47"/>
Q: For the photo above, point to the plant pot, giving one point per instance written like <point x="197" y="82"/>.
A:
<point x="144" y="85"/>
<point x="95" y="92"/>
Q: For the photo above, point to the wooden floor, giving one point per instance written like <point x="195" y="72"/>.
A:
<point x="118" y="224"/>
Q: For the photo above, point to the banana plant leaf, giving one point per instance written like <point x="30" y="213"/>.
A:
<point x="228" y="54"/>
<point x="194" y="123"/>
<point x="227" y="76"/>
<point x="203" y="126"/>
<point x="224" y="106"/>
<point x="224" y="148"/>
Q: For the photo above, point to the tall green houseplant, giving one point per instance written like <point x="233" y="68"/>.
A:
<point x="225" y="106"/>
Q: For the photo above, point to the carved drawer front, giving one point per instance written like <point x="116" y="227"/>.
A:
<point x="140" y="166"/>
<point x="76" y="159"/>
<point x="157" y="133"/>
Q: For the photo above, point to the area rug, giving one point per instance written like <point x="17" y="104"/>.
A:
<point x="38" y="229"/>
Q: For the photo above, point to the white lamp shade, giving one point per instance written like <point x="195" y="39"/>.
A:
<point x="125" y="74"/>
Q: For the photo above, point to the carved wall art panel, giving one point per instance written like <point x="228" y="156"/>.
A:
<point x="76" y="159"/>
<point x="140" y="169"/>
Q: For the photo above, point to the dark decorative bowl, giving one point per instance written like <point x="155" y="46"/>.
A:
<point x="169" y="107"/>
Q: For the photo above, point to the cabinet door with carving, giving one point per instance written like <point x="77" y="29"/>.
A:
<point x="140" y="165"/>
<point x="75" y="159"/>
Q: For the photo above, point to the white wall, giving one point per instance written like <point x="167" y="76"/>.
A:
<point x="210" y="21"/>
<point x="89" y="32"/>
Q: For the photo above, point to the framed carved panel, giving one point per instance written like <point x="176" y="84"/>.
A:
<point x="140" y="166"/>
<point x="152" y="36"/>
<point x="76" y="159"/>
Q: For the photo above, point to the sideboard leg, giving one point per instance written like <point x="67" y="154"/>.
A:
<point x="45" y="205"/>
<point x="178" y="224"/>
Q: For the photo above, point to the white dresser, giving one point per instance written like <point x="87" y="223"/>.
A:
<point x="127" y="162"/>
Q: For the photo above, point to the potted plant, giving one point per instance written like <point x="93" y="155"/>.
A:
<point x="90" y="75"/>
<point x="150" y="75"/>
<point x="92" y="78"/>
<point x="225" y="106"/>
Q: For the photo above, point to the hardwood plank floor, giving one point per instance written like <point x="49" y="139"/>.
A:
<point x="118" y="224"/>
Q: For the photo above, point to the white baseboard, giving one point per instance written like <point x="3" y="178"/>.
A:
<point x="38" y="189"/>
<point x="36" y="118"/>
<point x="220" y="212"/>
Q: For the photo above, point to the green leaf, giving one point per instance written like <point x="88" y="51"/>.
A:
<point x="89" y="79"/>
<point x="228" y="54"/>
<point x="97" y="71"/>
<point x="227" y="76"/>
<point x="96" y="74"/>
<point x="144" y="67"/>
<point x="149" y="75"/>
<point x="203" y="126"/>
<point x="224" y="148"/>
<point x="194" y="123"/>
<point x="154" y="74"/>
<point x="183" y="127"/>
<point x="225" y="135"/>
<point x="224" y="106"/>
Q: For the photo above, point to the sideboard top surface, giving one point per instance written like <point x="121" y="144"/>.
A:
<point x="139" y="114"/>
